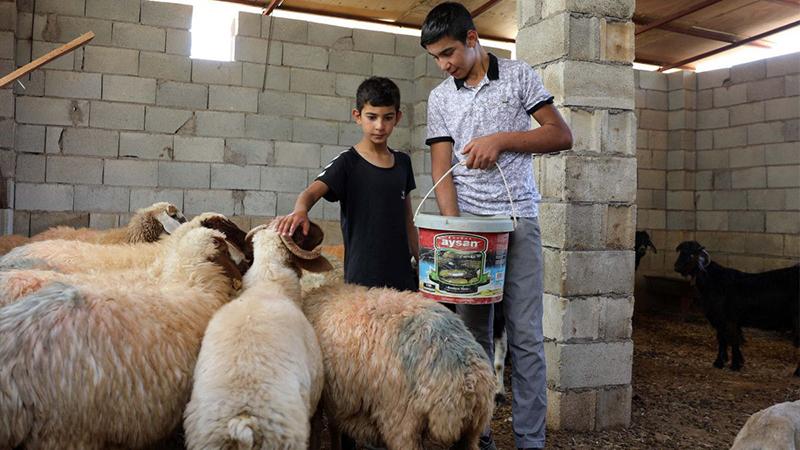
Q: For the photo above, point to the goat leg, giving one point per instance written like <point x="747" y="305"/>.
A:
<point x="722" y="350"/>
<point x="736" y="354"/>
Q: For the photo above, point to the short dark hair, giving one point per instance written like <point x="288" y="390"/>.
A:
<point x="378" y="91"/>
<point x="449" y="19"/>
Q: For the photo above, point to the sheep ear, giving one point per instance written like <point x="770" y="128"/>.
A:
<point x="169" y="224"/>
<point x="305" y="246"/>
<point x="316" y="265"/>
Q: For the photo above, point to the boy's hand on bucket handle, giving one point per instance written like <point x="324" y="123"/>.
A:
<point x="289" y="223"/>
<point x="483" y="152"/>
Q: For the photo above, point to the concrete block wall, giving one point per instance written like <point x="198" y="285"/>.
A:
<point x="8" y="26"/>
<point x="731" y="175"/>
<point x="131" y="118"/>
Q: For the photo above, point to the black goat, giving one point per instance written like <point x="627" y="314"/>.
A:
<point x="643" y="242"/>
<point x="732" y="299"/>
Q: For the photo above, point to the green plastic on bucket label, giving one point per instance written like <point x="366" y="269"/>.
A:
<point x="463" y="259"/>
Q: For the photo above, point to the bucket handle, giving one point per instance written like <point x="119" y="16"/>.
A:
<point x="461" y="163"/>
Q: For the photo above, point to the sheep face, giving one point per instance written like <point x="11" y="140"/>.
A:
<point x="692" y="258"/>
<point x="151" y="222"/>
<point x="241" y="253"/>
<point x="211" y="246"/>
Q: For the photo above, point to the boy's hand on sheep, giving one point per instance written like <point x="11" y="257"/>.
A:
<point x="286" y="225"/>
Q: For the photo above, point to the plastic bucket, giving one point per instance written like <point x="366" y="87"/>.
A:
<point x="462" y="259"/>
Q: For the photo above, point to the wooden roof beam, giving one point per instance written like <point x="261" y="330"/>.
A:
<point x="703" y="33"/>
<point x="484" y="7"/>
<point x="677" y="15"/>
<point x="731" y="46"/>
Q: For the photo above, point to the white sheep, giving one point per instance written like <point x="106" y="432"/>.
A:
<point x="105" y="364"/>
<point x="259" y="375"/>
<point x="400" y="370"/>
<point x="70" y="256"/>
<point x="773" y="428"/>
<point x="146" y="225"/>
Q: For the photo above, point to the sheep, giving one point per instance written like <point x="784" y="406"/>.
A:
<point x="147" y="225"/>
<point x="400" y="370"/>
<point x="104" y="364"/>
<point x="773" y="428"/>
<point x="500" y="352"/>
<point x="643" y="242"/>
<point x="732" y="299"/>
<point x="259" y="375"/>
<point x="77" y="256"/>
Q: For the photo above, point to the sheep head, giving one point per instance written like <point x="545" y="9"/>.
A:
<point x="148" y="224"/>
<point x="198" y="247"/>
<point x="298" y="251"/>
<point x="692" y="258"/>
<point x="239" y="250"/>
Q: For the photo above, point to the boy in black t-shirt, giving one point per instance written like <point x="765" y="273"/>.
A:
<point x="372" y="182"/>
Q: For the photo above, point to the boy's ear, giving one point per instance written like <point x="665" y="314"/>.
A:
<point x="472" y="38"/>
<point x="356" y="115"/>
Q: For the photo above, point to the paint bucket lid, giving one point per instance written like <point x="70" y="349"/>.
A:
<point x="487" y="224"/>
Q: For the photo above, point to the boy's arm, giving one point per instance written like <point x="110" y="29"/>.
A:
<point x="413" y="238"/>
<point x="299" y="217"/>
<point x="553" y="135"/>
<point x="441" y="158"/>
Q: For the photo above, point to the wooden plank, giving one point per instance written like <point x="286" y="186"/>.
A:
<point x="47" y="57"/>
<point x="677" y="15"/>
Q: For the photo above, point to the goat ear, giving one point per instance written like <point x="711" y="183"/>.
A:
<point x="316" y="265"/>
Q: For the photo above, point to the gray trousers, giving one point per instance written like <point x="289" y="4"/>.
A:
<point x="522" y="303"/>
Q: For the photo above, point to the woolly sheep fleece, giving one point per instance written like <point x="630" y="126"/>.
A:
<point x="773" y="428"/>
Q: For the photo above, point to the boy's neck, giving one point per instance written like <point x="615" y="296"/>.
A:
<point x="480" y="67"/>
<point x="365" y="145"/>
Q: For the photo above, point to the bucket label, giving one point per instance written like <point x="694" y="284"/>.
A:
<point x="460" y="267"/>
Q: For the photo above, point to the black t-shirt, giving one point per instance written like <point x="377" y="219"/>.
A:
<point x="373" y="218"/>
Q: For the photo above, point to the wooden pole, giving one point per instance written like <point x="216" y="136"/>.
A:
<point x="46" y="58"/>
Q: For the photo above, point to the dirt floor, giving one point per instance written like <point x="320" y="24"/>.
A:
<point x="679" y="399"/>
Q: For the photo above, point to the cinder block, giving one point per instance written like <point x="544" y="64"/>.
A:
<point x="345" y="61"/>
<point x="277" y="77"/>
<point x="190" y="148"/>
<point x="179" y="42"/>
<point x="755" y="177"/>
<point x="752" y="71"/>
<point x="782" y="108"/>
<point x="655" y="81"/>
<point x="30" y="168"/>
<point x="792" y="199"/>
<point x="407" y="46"/>
<point x="778" y="154"/>
<point x="110" y="60"/>
<point x="657" y="100"/>
<point x="324" y="107"/>
<point x="393" y="66"/>
<point x="613" y="407"/>
<point x="90" y="142"/>
<point x="103" y="221"/>
<point x="248" y="24"/>
<point x="124" y="10"/>
<point x="315" y="131"/>
<point x="41" y="221"/>
<point x="730" y="200"/>
<point x="65" y="62"/>
<point x="129" y="89"/>
<point x="576" y="365"/>
<point x="24" y="24"/>
<point x="222" y="124"/>
<point x="117" y="116"/>
<point x="129" y="35"/>
<point x="260" y="203"/>
<point x="792" y="246"/>
<point x="167" y="15"/>
<point x="217" y="72"/>
<point x="783" y="176"/>
<point x="285" y="29"/>
<point x="680" y="220"/>
<point x="230" y="98"/>
<point x="254" y="50"/>
<point x="145" y="146"/>
<point x="747" y="157"/>
<point x="291" y="154"/>
<point x="228" y="176"/>
<point x="765" y="133"/>
<point x="764" y="244"/>
<point x="558" y="28"/>
<point x="141" y="198"/>
<point x="582" y="83"/>
<point x="305" y="56"/>
<point x="617" y="41"/>
<point x="730" y="95"/>
<point x="583" y="174"/>
<point x="712" y="220"/>
<point x="751" y="221"/>
<point x="330" y="36"/>
<point x="53" y="137"/>
<point x="712" y="118"/>
<point x="65" y="7"/>
<point x="783" y="65"/>
<point x="373" y="41"/>
<point x="29" y="139"/>
<point x="765" y="89"/>
<point x="43" y="197"/>
<point x="101" y="198"/>
<point x="200" y="201"/>
<point x="8" y="17"/>
<point x="184" y="175"/>
<point x="346" y="85"/>
<point x="69" y="169"/>
<point x="283" y="179"/>
<point x="127" y="172"/>
<point x="766" y="199"/>
<point x="60" y="28"/>
<point x="569" y="319"/>
<point x="619" y="133"/>
<point x="680" y="200"/>
<point x="730" y="137"/>
<point x="713" y="78"/>
<point x="248" y="151"/>
<point x="165" y="120"/>
<point x="165" y="66"/>
<point x="72" y="84"/>
<point x="268" y="127"/>
<point x="52" y="111"/>
<point x="783" y="222"/>
<point x="571" y="410"/>
<point x="620" y="9"/>
<point x="282" y="103"/>
<point x="182" y="95"/>
<point x="747" y="113"/>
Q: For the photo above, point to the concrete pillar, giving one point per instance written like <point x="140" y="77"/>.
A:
<point x="8" y="25"/>
<point x="584" y="52"/>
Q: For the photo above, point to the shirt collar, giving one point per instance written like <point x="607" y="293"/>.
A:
<point x="493" y="73"/>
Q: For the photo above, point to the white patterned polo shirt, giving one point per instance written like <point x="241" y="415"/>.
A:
<point x="503" y="101"/>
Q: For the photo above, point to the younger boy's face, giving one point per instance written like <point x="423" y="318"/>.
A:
<point x="453" y="56"/>
<point x="377" y="122"/>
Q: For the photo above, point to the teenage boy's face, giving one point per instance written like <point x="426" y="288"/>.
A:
<point x="377" y="122"/>
<point x="453" y="56"/>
